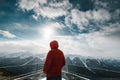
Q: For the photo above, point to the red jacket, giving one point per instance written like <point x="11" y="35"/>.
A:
<point x="55" y="61"/>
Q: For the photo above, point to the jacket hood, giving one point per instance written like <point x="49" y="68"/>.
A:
<point x="54" y="44"/>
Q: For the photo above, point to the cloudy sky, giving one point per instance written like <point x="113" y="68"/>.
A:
<point x="84" y="27"/>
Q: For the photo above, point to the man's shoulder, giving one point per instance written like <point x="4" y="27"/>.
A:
<point x="60" y="50"/>
<point x="54" y="50"/>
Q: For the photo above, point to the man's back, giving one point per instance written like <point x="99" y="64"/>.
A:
<point x="58" y="57"/>
<point x="54" y="62"/>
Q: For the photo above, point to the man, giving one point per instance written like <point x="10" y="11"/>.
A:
<point x="54" y="62"/>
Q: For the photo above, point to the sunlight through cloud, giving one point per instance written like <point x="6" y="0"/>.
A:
<point x="48" y="32"/>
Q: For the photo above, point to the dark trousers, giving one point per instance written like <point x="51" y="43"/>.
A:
<point x="55" y="78"/>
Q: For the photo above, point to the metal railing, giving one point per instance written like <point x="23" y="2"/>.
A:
<point x="39" y="75"/>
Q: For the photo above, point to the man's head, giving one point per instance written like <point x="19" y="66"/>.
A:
<point x="54" y="44"/>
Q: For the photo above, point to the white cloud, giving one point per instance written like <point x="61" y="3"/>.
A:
<point x="79" y="18"/>
<point x="30" y="4"/>
<point x="22" y="28"/>
<point x="7" y="34"/>
<point x="19" y="26"/>
<point x="23" y="46"/>
<point x="101" y="15"/>
<point x="116" y="14"/>
<point x="54" y="25"/>
<point x="96" y="44"/>
<point x="82" y="19"/>
<point x="52" y="10"/>
<point x="101" y="4"/>
<point x="68" y="20"/>
<point x="35" y="17"/>
<point x="112" y="28"/>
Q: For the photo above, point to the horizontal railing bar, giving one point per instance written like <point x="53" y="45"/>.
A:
<point x="41" y="72"/>
<point x="75" y="75"/>
<point x="30" y="75"/>
<point x="97" y="68"/>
